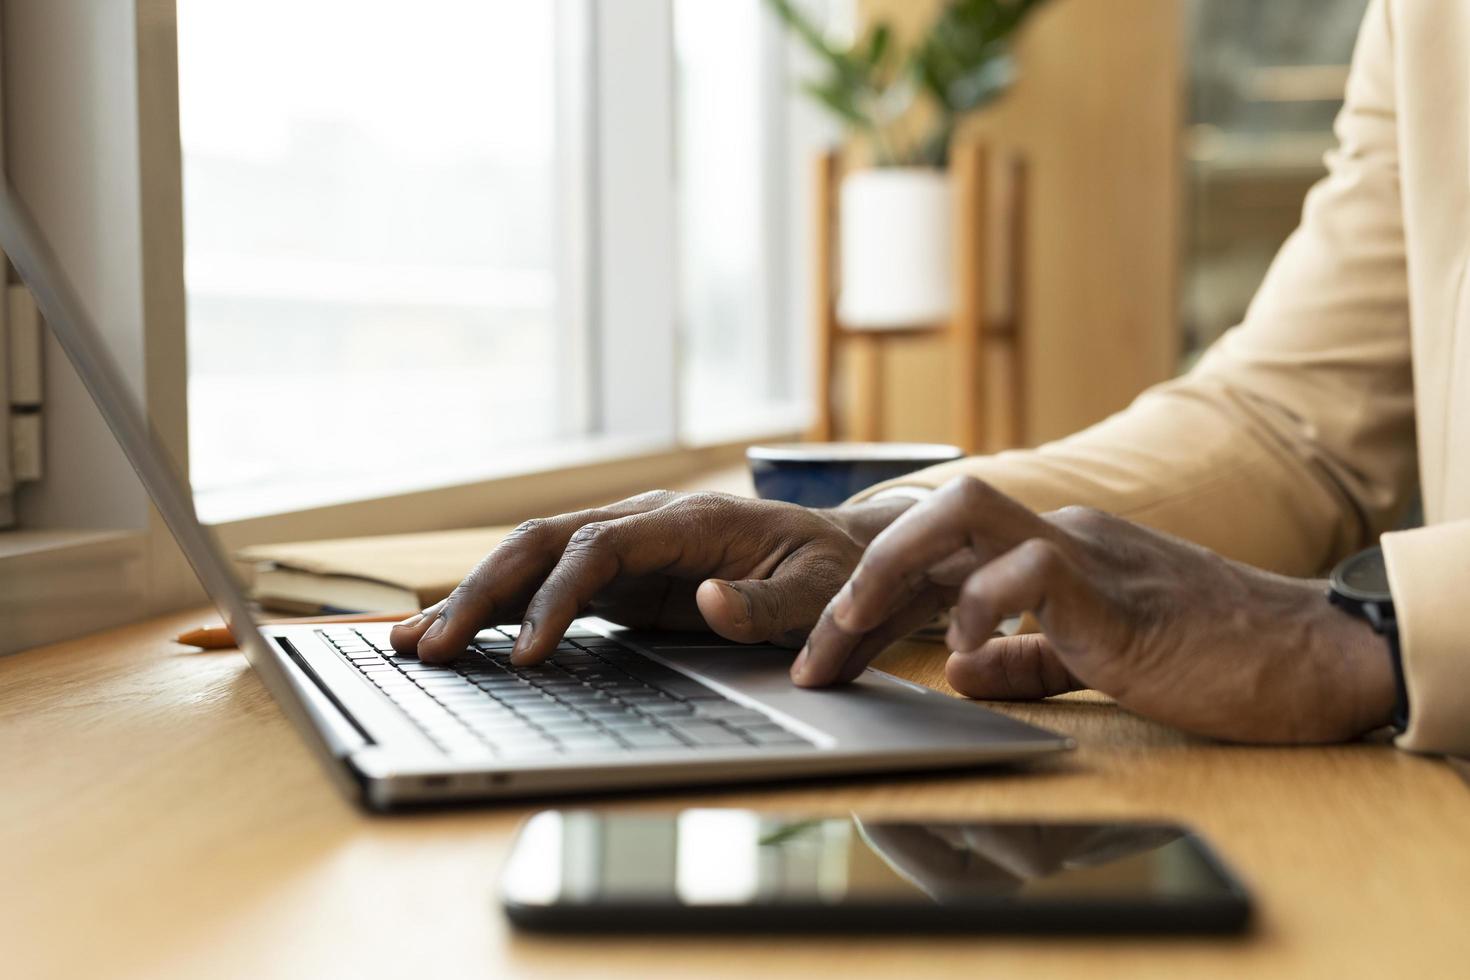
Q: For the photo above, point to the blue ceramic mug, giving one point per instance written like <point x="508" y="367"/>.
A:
<point x="824" y="474"/>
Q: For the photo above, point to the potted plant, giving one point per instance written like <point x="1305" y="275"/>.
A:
<point x="894" y="242"/>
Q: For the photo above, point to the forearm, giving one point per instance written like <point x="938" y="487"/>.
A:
<point x="1195" y="458"/>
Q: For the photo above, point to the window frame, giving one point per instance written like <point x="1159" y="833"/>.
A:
<point x="616" y="294"/>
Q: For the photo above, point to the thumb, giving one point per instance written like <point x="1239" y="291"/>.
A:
<point x="1011" y="668"/>
<point x="781" y="609"/>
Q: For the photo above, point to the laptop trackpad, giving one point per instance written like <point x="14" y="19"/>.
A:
<point x="876" y="706"/>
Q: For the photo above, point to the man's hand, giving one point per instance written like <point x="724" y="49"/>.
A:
<point x="1170" y="630"/>
<point x="750" y="570"/>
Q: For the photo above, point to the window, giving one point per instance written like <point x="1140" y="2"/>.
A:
<point x="370" y="207"/>
<point x="427" y="242"/>
<point x="737" y="346"/>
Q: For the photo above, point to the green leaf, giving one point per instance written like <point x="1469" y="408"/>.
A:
<point x="878" y="44"/>
<point x="838" y="100"/>
<point x="982" y="84"/>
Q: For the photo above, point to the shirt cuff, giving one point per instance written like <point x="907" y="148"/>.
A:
<point x="1428" y="573"/>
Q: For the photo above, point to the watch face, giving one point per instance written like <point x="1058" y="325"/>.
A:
<point x="1363" y="577"/>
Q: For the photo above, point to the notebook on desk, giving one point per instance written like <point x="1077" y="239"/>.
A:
<point x="369" y="574"/>
<point x="611" y="709"/>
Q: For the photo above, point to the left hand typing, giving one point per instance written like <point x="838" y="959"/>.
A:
<point x="1170" y="630"/>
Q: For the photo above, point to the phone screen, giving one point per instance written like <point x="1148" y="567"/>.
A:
<point x="715" y="868"/>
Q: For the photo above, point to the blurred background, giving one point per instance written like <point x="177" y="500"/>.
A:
<point x="376" y="268"/>
<point x="380" y="220"/>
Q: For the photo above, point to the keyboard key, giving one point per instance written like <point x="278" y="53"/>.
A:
<point x="649" y="738"/>
<point x="437" y="687"/>
<point x="697" y="733"/>
<point x="585" y="697"/>
<point x="644" y="696"/>
<point x="589" y="743"/>
<point x="546" y="712"/>
<point x="502" y="731"/>
<point x="620" y="721"/>
<point x="471" y="695"/>
<point x="666" y="709"/>
<point x="728" y="711"/>
<point x="568" y="723"/>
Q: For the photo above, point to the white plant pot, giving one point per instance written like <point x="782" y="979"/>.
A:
<point x="894" y="247"/>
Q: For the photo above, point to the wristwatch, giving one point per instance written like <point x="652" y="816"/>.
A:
<point x="1359" y="585"/>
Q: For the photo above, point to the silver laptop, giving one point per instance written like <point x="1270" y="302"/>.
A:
<point x="611" y="709"/>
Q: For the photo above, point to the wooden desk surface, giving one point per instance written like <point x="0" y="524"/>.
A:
<point x="159" y="818"/>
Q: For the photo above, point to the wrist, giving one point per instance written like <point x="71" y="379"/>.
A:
<point x="865" y="520"/>
<point x="1365" y="668"/>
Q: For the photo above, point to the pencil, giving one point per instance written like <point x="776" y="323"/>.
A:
<point x="218" y="637"/>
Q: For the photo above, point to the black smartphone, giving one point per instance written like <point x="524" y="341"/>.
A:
<point x="714" y="870"/>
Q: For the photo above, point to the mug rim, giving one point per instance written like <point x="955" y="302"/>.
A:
<point x="854" y="452"/>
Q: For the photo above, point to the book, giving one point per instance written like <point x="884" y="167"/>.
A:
<point x="23" y="324"/>
<point x="385" y="573"/>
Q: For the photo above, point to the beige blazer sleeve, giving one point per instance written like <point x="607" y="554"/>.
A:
<point x="1291" y="444"/>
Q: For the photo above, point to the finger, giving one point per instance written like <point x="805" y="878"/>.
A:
<point x="499" y="587"/>
<point x="829" y="649"/>
<point x="901" y="625"/>
<point x="404" y="636"/>
<point x="1011" y="668"/>
<point x="964" y="513"/>
<point x="1018" y="581"/>
<point x="781" y="608"/>
<point x="834" y="656"/>
<point x="499" y="583"/>
<point x="595" y="556"/>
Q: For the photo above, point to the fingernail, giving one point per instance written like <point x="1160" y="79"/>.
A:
<point x="798" y="666"/>
<point x="743" y="613"/>
<point x="523" y="641"/>
<point x="412" y="620"/>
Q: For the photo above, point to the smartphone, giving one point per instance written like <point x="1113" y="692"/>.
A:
<point x="721" y="870"/>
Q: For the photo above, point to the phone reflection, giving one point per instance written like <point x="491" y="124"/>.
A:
<point x="738" y="857"/>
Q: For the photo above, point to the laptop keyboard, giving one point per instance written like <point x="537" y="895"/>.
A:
<point x="592" y="695"/>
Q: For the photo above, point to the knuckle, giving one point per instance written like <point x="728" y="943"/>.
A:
<point x="1080" y="518"/>
<point x="589" y="536"/>
<point x="975" y="590"/>
<point x="1040" y="555"/>
<point x="652" y="498"/>
<point x="479" y="578"/>
<point x="968" y="491"/>
<point x="532" y="529"/>
<point x="702" y="499"/>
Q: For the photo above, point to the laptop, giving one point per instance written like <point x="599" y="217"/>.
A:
<point x="612" y="709"/>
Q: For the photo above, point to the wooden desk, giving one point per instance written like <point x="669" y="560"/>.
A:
<point x="159" y="818"/>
